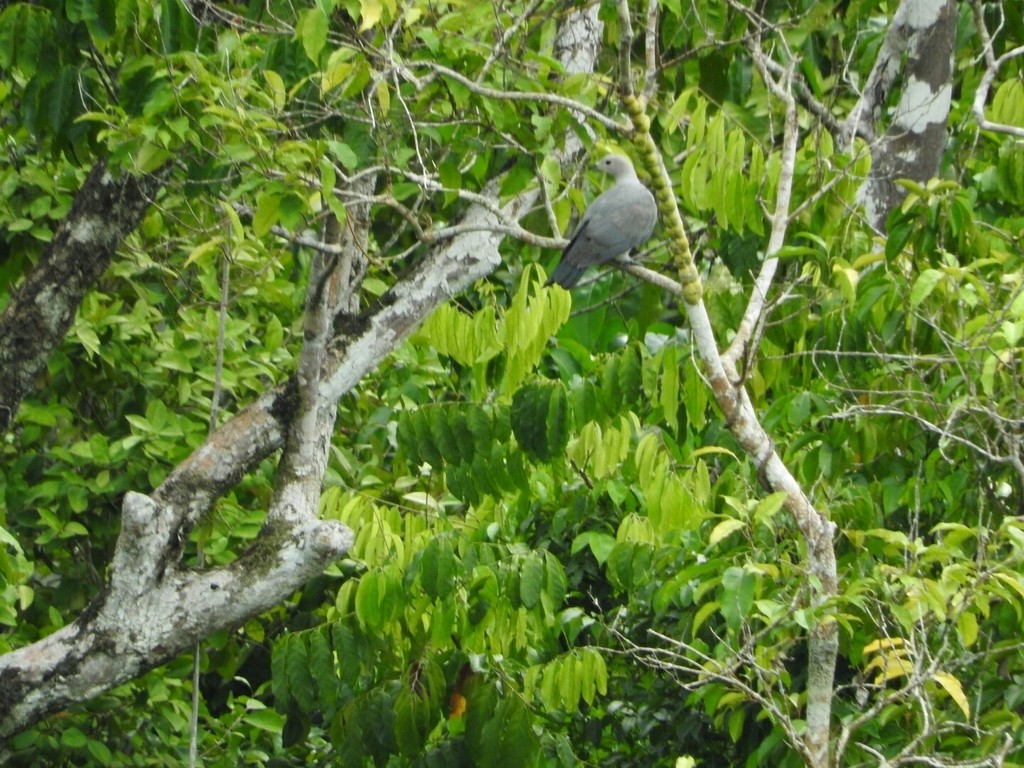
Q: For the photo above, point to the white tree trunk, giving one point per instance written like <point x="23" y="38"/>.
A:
<point x="924" y="32"/>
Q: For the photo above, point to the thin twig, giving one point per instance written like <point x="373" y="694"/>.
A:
<point x="992" y="67"/>
<point x="218" y="383"/>
<point x="537" y="96"/>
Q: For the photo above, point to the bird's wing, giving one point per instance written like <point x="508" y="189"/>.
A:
<point x="616" y="221"/>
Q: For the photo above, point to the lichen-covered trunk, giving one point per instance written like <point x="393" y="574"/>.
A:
<point x="925" y="32"/>
<point x="107" y="208"/>
<point x="154" y="607"/>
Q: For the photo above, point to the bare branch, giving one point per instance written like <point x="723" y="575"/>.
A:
<point x="537" y="96"/>
<point x="654" y="278"/>
<point x="693" y="668"/>
<point x="510" y="32"/>
<point x="992" y="67"/>
<point x="651" y="52"/>
<point x="754" y="315"/>
<point x="732" y="397"/>
<point x="625" y="48"/>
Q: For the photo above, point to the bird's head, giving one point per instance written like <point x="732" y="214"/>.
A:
<point x="616" y="166"/>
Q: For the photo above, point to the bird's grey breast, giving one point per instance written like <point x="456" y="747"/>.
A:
<point x="620" y="219"/>
<point x="624" y="217"/>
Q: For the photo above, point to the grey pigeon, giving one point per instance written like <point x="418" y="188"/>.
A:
<point x="620" y="219"/>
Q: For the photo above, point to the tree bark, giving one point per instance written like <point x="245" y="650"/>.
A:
<point x="153" y="608"/>
<point x="924" y="31"/>
<point x="106" y="210"/>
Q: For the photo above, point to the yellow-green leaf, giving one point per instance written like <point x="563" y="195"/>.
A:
<point x="883" y="643"/>
<point x="276" y="86"/>
<point x="967" y="628"/>
<point x="723" y="529"/>
<point x="369" y="13"/>
<point x="1013" y="582"/>
<point x="205" y="248"/>
<point x="924" y="285"/>
<point x="954" y="689"/>
<point x="237" y="231"/>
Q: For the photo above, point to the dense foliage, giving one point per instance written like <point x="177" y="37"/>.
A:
<point x="562" y="555"/>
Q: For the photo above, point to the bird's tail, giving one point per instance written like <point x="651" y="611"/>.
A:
<point x="566" y="275"/>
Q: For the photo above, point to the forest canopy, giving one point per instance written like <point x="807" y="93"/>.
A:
<point x="303" y="464"/>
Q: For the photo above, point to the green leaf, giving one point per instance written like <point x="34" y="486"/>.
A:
<point x="369" y="598"/>
<point x="413" y="721"/>
<point x="1009" y="170"/>
<point x="967" y="628"/>
<point x="630" y="372"/>
<point x="237" y="230"/>
<point x="738" y="587"/>
<point x="555" y="582"/>
<point x="702" y="615"/>
<point x="600" y="544"/>
<point x="900" y="228"/>
<point x="23" y="27"/>
<point x="924" y="285"/>
<point x="769" y="506"/>
<point x="1008" y="103"/>
<point x="279" y="675"/>
<point x="296" y="667"/>
<point x="62" y="97"/>
<point x="736" y="720"/>
<point x="312" y="32"/>
<point x="275" y="84"/>
<point x="100" y="751"/>
<point x="345" y="646"/>
<point x="570" y="684"/>
<point x="629" y="565"/>
<point x="8" y="540"/>
<point x="531" y="581"/>
<point x="696" y="130"/>
<point x="438" y="568"/>
<point x="451" y="176"/>
<point x="321" y="665"/>
<point x="414" y="435"/>
<point x="534" y="315"/>
<point x="449" y="444"/>
<point x="268" y="720"/>
<point x="668" y="391"/>
<point x="480" y="427"/>
<point x="80" y="10"/>
<point x="540" y="420"/>
<point x="344" y="154"/>
<point x="500" y="730"/>
<point x="274" y="334"/>
<point x="266" y="216"/>
<point x="151" y="157"/>
<point x="468" y="339"/>
<point x="203" y="252"/>
<point x="177" y="27"/>
<point x="72" y="737"/>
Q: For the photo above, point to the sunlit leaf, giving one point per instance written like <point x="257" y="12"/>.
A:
<point x="956" y="692"/>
